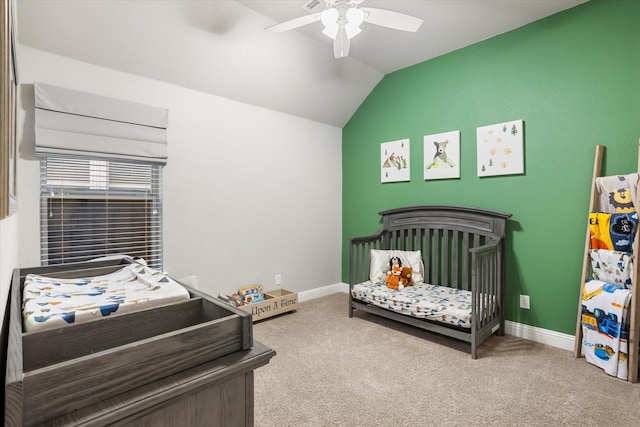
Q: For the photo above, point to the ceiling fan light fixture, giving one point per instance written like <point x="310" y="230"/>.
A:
<point x="329" y="18"/>
<point x="355" y="17"/>
<point x="342" y="20"/>
<point x="352" y="31"/>
<point x="331" y="31"/>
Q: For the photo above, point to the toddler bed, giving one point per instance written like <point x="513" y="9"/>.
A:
<point x="457" y="257"/>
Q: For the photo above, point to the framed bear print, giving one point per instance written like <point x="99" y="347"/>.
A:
<point x="442" y="155"/>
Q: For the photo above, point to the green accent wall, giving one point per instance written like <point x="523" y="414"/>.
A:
<point x="574" y="78"/>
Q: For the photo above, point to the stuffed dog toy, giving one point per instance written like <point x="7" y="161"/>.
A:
<point x="394" y="274"/>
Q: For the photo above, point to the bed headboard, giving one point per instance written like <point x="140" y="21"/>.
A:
<point x="455" y="218"/>
<point x="444" y="234"/>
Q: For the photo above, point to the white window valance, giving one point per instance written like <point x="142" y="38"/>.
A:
<point x="74" y="123"/>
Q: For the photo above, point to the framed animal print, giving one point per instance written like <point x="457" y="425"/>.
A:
<point x="442" y="155"/>
<point x="394" y="162"/>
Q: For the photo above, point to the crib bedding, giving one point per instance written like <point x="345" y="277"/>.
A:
<point x="433" y="302"/>
<point x="50" y="303"/>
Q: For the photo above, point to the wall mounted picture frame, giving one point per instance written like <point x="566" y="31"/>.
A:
<point x="442" y="155"/>
<point x="501" y="149"/>
<point x="394" y="161"/>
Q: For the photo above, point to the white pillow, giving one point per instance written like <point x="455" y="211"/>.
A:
<point x="379" y="264"/>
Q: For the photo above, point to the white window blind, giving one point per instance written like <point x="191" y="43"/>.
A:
<point x="93" y="208"/>
<point x="74" y="123"/>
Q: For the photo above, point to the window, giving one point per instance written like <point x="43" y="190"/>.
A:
<point x="93" y="208"/>
<point x="101" y="175"/>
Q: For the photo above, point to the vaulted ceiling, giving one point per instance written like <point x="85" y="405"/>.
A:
<point x="221" y="47"/>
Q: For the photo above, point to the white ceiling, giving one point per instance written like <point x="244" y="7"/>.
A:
<point x="220" y="47"/>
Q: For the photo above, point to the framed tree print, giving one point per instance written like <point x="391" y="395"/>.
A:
<point x="501" y="149"/>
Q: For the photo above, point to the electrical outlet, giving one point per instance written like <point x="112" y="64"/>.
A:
<point x="524" y="302"/>
<point x="278" y="279"/>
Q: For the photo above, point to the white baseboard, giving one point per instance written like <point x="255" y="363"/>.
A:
<point x="543" y="336"/>
<point x="323" y="291"/>
<point x="520" y="330"/>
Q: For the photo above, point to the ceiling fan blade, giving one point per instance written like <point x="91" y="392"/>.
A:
<point x="341" y="44"/>
<point x="389" y="19"/>
<point x="294" y="23"/>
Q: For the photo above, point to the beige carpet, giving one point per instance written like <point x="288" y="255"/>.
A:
<point x="334" y="371"/>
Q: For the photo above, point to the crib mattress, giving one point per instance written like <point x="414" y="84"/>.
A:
<point x="50" y="303"/>
<point x="422" y="300"/>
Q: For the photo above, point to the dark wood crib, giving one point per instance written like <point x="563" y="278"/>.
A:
<point x="461" y="247"/>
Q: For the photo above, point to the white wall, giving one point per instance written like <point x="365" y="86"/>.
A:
<point x="8" y="257"/>
<point x="248" y="192"/>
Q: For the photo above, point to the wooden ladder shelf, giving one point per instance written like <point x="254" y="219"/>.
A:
<point x="634" y="309"/>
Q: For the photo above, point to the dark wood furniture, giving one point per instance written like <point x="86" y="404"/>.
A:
<point x="462" y="248"/>
<point x="186" y="363"/>
<point x="215" y="394"/>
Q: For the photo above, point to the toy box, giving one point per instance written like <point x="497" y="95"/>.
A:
<point x="275" y="302"/>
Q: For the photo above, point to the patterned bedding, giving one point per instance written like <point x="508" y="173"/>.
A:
<point x="50" y="303"/>
<point x="433" y="302"/>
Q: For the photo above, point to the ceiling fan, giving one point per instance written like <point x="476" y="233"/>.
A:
<point x="342" y="20"/>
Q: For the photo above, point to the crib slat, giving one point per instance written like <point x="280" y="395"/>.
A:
<point x="478" y="294"/>
<point x="481" y="296"/>
<point x="435" y="254"/>
<point x="363" y="260"/>
<point x="466" y="267"/>
<point x="483" y="290"/>
<point x="494" y="284"/>
<point x="486" y="314"/>
<point x="444" y="278"/>
<point x="487" y="289"/>
<point x="426" y="254"/>
<point x="455" y="260"/>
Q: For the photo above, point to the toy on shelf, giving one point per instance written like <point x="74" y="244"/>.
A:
<point x="251" y="294"/>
